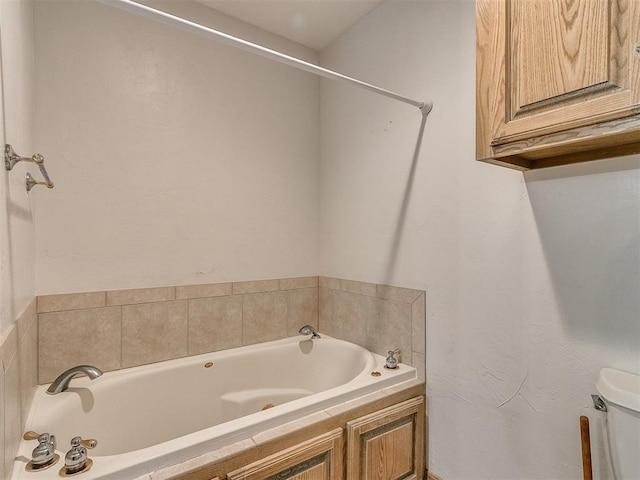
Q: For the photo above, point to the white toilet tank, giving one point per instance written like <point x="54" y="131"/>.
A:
<point x="621" y="394"/>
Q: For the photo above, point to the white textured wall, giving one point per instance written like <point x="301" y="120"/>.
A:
<point x="176" y="160"/>
<point x="17" y="281"/>
<point x="532" y="280"/>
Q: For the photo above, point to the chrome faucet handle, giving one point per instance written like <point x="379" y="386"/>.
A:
<point x="77" y="458"/>
<point x="45" y="452"/>
<point x="391" y="362"/>
<point x="30" y="435"/>
<point x="90" y="443"/>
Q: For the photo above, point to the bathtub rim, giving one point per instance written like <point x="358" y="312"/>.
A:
<point x="318" y="422"/>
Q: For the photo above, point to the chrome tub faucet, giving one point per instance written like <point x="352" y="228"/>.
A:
<point x="61" y="383"/>
<point x="391" y="362"/>
<point x="309" y="330"/>
<point x="44" y="455"/>
<point x="77" y="459"/>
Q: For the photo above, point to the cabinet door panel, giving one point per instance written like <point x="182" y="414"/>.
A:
<point x="552" y="55"/>
<point x="390" y="454"/>
<point x="319" y="472"/>
<point x="568" y="63"/>
<point x="389" y="444"/>
<point x="317" y="459"/>
<point x="550" y="73"/>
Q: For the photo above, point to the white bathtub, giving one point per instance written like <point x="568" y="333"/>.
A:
<point x="153" y="416"/>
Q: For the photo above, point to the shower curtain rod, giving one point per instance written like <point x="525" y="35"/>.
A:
<point x="138" y="8"/>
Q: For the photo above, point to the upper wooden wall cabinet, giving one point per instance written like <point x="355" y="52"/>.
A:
<point x="557" y="81"/>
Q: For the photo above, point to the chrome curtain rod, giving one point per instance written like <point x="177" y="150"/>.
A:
<point x="138" y="8"/>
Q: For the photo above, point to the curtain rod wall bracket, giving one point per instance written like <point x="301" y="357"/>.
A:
<point x="426" y="108"/>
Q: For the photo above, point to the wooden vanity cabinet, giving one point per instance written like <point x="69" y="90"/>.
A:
<point x="381" y="440"/>
<point x="557" y="81"/>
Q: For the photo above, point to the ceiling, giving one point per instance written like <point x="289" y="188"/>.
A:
<point x="313" y="23"/>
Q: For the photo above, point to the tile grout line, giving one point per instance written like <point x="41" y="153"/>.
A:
<point x="242" y="321"/>
<point x="187" y="333"/>
<point x="121" y="339"/>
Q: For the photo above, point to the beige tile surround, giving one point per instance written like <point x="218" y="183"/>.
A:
<point x="377" y="317"/>
<point x="18" y="379"/>
<point x="125" y="328"/>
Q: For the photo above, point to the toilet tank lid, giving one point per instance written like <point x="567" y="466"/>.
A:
<point x="620" y="388"/>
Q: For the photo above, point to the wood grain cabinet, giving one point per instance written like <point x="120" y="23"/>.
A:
<point x="557" y="81"/>
<point x="388" y="444"/>
<point x="319" y="458"/>
<point x="382" y="440"/>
